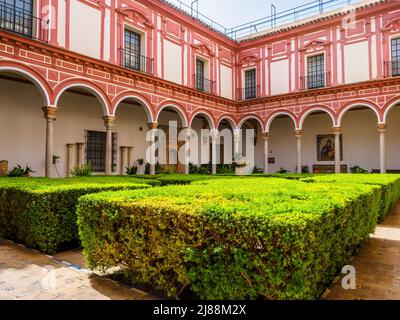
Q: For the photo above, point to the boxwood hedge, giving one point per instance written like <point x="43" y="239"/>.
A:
<point x="389" y="183"/>
<point x="225" y="239"/>
<point x="41" y="213"/>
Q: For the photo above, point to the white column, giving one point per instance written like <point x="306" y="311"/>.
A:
<point x="299" y="137"/>
<point x="265" y="136"/>
<point x="187" y="151"/>
<point x="109" y="123"/>
<point x="337" y="131"/>
<point x="152" y="144"/>
<point x="237" y="135"/>
<point x="382" y="146"/>
<point x="214" y="139"/>
<point x="50" y="116"/>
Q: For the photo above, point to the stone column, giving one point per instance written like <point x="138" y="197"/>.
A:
<point x="130" y="156"/>
<point x="151" y="144"/>
<point x="265" y="136"/>
<point x="122" y="160"/>
<point x="299" y="137"/>
<point x="109" y="124"/>
<point x="187" y="150"/>
<point x="79" y="153"/>
<point x="50" y="113"/>
<point x="382" y="146"/>
<point x="214" y="139"/>
<point x="70" y="158"/>
<point x="337" y="131"/>
<point x="236" y="141"/>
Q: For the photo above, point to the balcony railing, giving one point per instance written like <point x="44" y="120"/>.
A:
<point x="249" y="93"/>
<point x="132" y="60"/>
<point x="316" y="81"/>
<point x="203" y="84"/>
<point x="22" y="22"/>
<point x="392" y="68"/>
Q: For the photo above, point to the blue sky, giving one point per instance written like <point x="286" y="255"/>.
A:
<point x="231" y="13"/>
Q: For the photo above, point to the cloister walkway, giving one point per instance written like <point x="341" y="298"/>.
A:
<point x="377" y="265"/>
<point x="27" y="274"/>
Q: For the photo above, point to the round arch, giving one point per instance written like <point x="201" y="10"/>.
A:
<point x="137" y="97"/>
<point x="176" y="107"/>
<point x="229" y="119"/>
<point x="389" y="106"/>
<point x="87" y="85"/>
<point x="276" y="114"/>
<point x="204" y="113"/>
<point x="251" y="117"/>
<point x="361" y="103"/>
<point x="32" y="75"/>
<point x="313" y="109"/>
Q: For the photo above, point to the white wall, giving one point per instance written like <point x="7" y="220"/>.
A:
<point x="85" y="29"/>
<point x="77" y="113"/>
<point x="282" y="144"/>
<point x="280" y="77"/>
<point x="22" y="126"/>
<point x="226" y="82"/>
<point x="356" y="62"/>
<point x="172" y="62"/>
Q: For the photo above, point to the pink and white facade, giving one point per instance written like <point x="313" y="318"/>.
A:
<point x="77" y="67"/>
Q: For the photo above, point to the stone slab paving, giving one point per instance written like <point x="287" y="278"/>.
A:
<point x="26" y="274"/>
<point x="377" y="265"/>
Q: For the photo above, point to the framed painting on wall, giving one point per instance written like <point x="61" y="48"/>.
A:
<point x="326" y="147"/>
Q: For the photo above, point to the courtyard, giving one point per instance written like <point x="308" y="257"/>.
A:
<point x="203" y="236"/>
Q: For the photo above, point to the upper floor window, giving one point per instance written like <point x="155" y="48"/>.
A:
<point x="132" y="50"/>
<point x="200" y="75"/>
<point x="395" y="57"/>
<point x="17" y="16"/>
<point x="315" y="72"/>
<point x="200" y="78"/>
<point x="132" y="53"/>
<point x="250" y="84"/>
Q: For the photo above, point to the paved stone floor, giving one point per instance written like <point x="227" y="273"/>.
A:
<point x="377" y="265"/>
<point x="28" y="274"/>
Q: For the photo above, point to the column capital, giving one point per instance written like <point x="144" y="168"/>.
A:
<point x="214" y="134"/>
<point x="337" y="130"/>
<point x="80" y="144"/>
<point x="299" y="134"/>
<point x="265" y="135"/>
<point x="109" y="121"/>
<point x="50" y="112"/>
<point x="382" y="127"/>
<point x="152" y="125"/>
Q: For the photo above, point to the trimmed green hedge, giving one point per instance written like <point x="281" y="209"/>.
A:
<point x="264" y="237"/>
<point x="41" y="213"/>
<point x="389" y="183"/>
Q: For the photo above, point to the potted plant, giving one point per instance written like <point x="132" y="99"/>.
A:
<point x="141" y="167"/>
